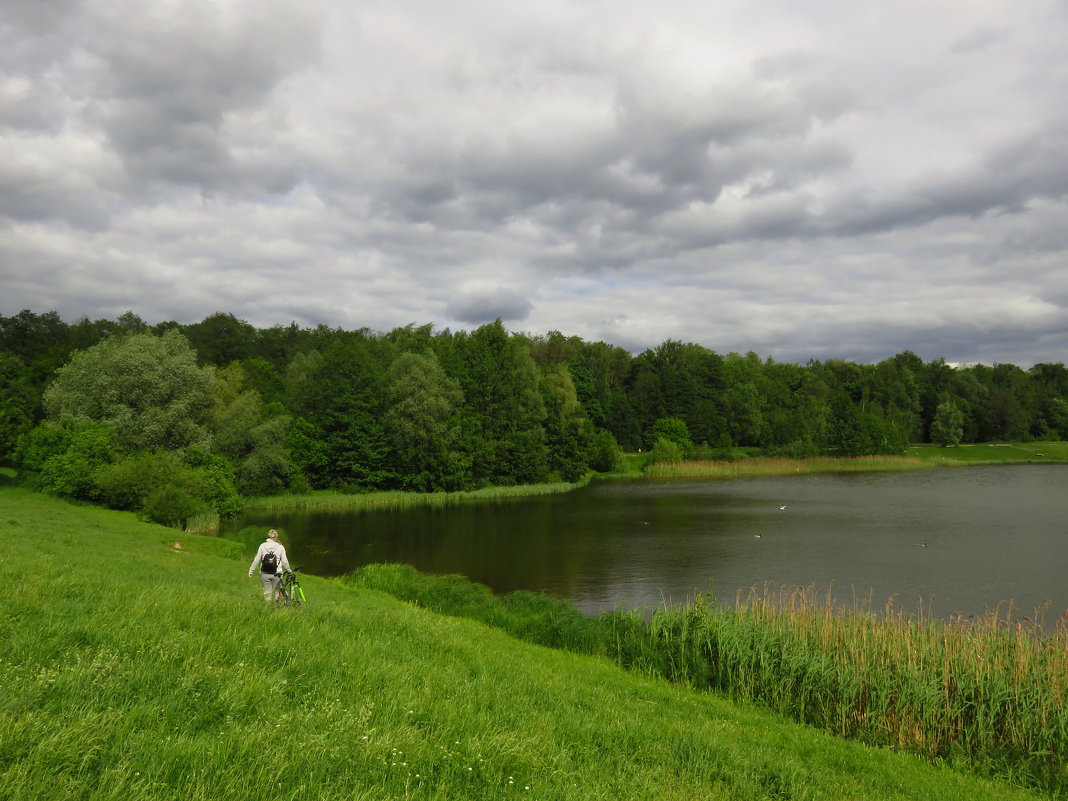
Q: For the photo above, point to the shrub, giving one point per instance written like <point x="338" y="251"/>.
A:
<point x="127" y="483"/>
<point x="665" y="450"/>
<point x="156" y="483"/>
<point x="605" y="453"/>
<point x="62" y="458"/>
<point x="674" y="430"/>
<point x="172" y="506"/>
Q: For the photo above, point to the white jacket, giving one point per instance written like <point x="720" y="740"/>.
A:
<point x="270" y="545"/>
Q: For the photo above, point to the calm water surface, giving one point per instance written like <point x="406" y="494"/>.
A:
<point x="962" y="539"/>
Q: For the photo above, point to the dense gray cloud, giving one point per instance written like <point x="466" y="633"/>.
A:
<point x="805" y="180"/>
<point x="486" y="305"/>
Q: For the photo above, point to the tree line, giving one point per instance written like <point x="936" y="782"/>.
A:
<point x="172" y="420"/>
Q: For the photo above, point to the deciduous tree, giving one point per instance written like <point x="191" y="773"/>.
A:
<point x="422" y="418"/>
<point x="148" y="389"/>
<point x="948" y="424"/>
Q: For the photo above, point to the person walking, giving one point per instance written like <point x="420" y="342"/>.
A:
<point x="272" y="560"/>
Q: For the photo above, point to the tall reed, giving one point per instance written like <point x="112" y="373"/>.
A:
<point x="989" y="691"/>
<point x="396" y="499"/>
<point x="203" y="523"/>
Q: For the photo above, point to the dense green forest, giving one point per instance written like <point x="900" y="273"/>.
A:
<point x="177" y="420"/>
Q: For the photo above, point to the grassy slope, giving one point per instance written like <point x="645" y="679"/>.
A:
<point x="132" y="670"/>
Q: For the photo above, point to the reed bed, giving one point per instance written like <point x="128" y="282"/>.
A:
<point x="991" y="691"/>
<point x="398" y="499"/>
<point x="773" y="466"/>
<point x="205" y="523"/>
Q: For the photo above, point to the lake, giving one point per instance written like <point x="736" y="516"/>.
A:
<point x="961" y="539"/>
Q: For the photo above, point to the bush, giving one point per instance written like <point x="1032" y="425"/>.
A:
<point x="605" y="453"/>
<point x="211" y="478"/>
<point x="128" y="483"/>
<point x="62" y="459"/>
<point x="674" y="430"/>
<point x="158" y="484"/>
<point x="268" y="471"/>
<point x="665" y="450"/>
<point x="172" y="506"/>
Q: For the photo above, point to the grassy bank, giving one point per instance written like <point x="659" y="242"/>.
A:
<point x="138" y="666"/>
<point x="987" y="694"/>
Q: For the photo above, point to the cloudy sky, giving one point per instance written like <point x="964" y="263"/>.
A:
<point x="800" y="178"/>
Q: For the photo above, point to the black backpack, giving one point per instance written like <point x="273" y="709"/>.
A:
<point x="269" y="563"/>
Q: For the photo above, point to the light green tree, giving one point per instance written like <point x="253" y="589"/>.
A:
<point x="673" y="430"/>
<point x="568" y="432"/>
<point x="947" y="428"/>
<point x="665" y="450"/>
<point x="146" y="388"/>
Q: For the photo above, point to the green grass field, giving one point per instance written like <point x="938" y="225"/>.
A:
<point x="993" y="452"/>
<point x="138" y="663"/>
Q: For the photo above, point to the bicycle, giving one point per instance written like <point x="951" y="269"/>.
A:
<point x="289" y="591"/>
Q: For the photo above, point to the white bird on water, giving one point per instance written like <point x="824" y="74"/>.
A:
<point x="782" y="507"/>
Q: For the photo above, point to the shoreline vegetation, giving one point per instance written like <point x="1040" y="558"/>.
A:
<point x="917" y="457"/>
<point x="165" y="650"/>
<point x="327" y="500"/>
<point x="988" y="694"/>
